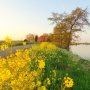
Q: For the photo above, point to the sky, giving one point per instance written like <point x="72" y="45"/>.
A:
<point x="20" y="17"/>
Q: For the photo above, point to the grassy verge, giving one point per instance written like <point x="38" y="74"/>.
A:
<point x="65" y="62"/>
<point x="17" y="43"/>
<point x="44" y="67"/>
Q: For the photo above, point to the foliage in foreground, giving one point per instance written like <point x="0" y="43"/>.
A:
<point x="42" y="67"/>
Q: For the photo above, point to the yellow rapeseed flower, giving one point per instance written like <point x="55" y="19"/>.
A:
<point x="41" y="64"/>
<point x="42" y="88"/>
<point x="54" y="73"/>
<point x="5" y="74"/>
<point x="3" y="47"/>
<point x="8" y="40"/>
<point x="24" y="43"/>
<point x="32" y="86"/>
<point x="48" y="81"/>
<point x="35" y="73"/>
<point x="68" y="82"/>
<point x="38" y="83"/>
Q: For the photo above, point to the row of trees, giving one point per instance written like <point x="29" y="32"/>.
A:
<point x="66" y="28"/>
<point x="36" y="38"/>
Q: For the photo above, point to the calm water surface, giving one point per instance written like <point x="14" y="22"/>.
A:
<point x="81" y="50"/>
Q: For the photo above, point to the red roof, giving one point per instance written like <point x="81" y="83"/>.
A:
<point x="42" y="38"/>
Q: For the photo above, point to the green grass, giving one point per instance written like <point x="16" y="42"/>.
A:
<point x="17" y="43"/>
<point x="65" y="62"/>
<point x="1" y="42"/>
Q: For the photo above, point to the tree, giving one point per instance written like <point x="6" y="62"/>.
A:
<point x="30" y="37"/>
<point x="25" y="40"/>
<point x="36" y="38"/>
<point x="66" y="25"/>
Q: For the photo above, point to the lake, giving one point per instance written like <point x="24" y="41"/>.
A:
<point x="81" y="50"/>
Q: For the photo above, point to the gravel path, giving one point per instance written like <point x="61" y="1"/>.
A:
<point x="6" y="52"/>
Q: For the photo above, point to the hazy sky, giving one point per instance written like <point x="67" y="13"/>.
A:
<point x="20" y="17"/>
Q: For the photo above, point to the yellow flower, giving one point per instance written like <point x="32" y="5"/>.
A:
<point x="8" y="40"/>
<point x="48" y="81"/>
<point x="24" y="43"/>
<point x="5" y="74"/>
<point x="3" y="47"/>
<point x="35" y="73"/>
<point x="42" y="88"/>
<point x="38" y="83"/>
<point x="32" y="86"/>
<point x="54" y="73"/>
<point x="46" y="45"/>
<point x="41" y="64"/>
<point x="13" y="82"/>
<point x="68" y="82"/>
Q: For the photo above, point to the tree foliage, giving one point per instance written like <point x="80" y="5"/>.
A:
<point x="30" y="37"/>
<point x="66" y="26"/>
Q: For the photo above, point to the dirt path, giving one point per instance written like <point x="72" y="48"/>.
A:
<point x="5" y="52"/>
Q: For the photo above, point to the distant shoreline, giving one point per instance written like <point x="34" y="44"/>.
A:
<point x="1" y="41"/>
<point x="80" y="44"/>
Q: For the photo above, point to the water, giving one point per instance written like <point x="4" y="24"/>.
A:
<point x="81" y="50"/>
